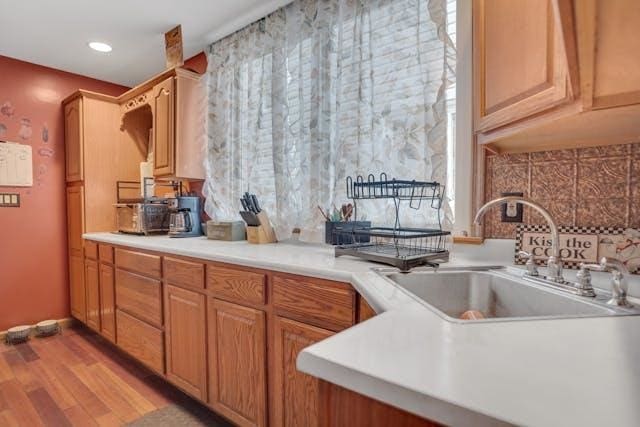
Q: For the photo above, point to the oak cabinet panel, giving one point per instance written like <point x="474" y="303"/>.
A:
<point x="107" y="302"/>
<point x="73" y="129"/>
<point x="185" y="344"/>
<point x="616" y="43"/>
<point x="140" y="340"/>
<point x="92" y="284"/>
<point x="326" y="304"/>
<point x="163" y="127"/>
<point x="75" y="220"/>
<point x="179" y="126"/>
<point x="237" y="362"/>
<point x="184" y="273"/>
<point x="146" y="264"/>
<point x="139" y="296"/>
<point x="76" y="288"/>
<point x="105" y="253"/>
<point x="237" y="285"/>
<point x="345" y="408"/>
<point x="520" y="63"/>
<point x="90" y="249"/>
<point x="365" y="311"/>
<point x="297" y="400"/>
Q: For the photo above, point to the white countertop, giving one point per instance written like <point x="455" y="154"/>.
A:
<point x="550" y="372"/>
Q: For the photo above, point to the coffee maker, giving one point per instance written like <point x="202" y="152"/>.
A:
<point x="184" y="218"/>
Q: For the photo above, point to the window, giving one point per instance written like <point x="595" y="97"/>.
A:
<point x="320" y="90"/>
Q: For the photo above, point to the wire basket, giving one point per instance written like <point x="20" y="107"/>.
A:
<point x="413" y="191"/>
<point x="403" y="248"/>
<point x="399" y="246"/>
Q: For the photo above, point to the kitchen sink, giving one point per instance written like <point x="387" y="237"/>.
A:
<point x="497" y="294"/>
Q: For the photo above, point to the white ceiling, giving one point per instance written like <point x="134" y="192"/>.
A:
<point x="56" y="33"/>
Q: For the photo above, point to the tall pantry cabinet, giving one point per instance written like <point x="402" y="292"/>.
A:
<point x="92" y="136"/>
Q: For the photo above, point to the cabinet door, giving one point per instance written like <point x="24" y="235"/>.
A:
<point x="75" y="220"/>
<point x="237" y="362"/>
<point x="107" y="303"/>
<point x="73" y="136"/>
<point x="164" y="128"/>
<point x="520" y="63"/>
<point x="609" y="33"/>
<point x="76" y="288"/>
<point x="185" y="322"/>
<point x="296" y="400"/>
<point x="92" y="284"/>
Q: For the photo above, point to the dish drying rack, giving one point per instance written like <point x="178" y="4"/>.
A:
<point x="401" y="247"/>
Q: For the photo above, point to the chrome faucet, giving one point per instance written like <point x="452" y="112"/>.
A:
<point x="619" y="285"/>
<point x="554" y="263"/>
<point x="554" y="277"/>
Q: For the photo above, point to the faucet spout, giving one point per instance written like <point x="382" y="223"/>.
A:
<point x="554" y="262"/>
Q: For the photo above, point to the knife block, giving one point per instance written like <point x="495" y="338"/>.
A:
<point x="263" y="233"/>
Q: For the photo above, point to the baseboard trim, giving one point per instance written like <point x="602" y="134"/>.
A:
<point x="65" y="323"/>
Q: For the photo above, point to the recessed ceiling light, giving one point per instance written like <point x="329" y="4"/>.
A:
<point x="100" y="47"/>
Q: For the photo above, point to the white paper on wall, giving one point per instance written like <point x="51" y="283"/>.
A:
<point x="16" y="165"/>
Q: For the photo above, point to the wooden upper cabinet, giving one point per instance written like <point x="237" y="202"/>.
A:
<point x="237" y="362"/>
<point x="163" y="127"/>
<point x="73" y="129"/>
<point x="186" y="340"/>
<point x="179" y="138"/>
<point x="520" y="64"/>
<point x="296" y="401"/>
<point x="611" y="32"/>
<point x="92" y="285"/>
<point x="556" y="74"/>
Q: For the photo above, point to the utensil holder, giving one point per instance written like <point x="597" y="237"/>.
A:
<point x="263" y="233"/>
<point x="341" y="233"/>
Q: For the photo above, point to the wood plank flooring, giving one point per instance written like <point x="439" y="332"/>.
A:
<point x="76" y="379"/>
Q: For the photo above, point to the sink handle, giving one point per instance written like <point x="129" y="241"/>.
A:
<point x="619" y="284"/>
<point x="532" y="268"/>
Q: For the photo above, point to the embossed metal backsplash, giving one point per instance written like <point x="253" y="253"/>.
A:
<point x="585" y="187"/>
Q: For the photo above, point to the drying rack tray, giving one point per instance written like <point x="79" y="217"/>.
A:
<point x="404" y="258"/>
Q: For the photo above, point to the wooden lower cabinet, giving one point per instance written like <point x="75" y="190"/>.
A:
<point x="345" y="408"/>
<point x="141" y="340"/>
<point x="107" y="302"/>
<point x="77" y="292"/>
<point x="296" y="400"/>
<point x="185" y="344"/>
<point x="237" y="362"/>
<point x="92" y="285"/>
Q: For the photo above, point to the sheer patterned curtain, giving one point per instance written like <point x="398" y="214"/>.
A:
<point x="323" y="89"/>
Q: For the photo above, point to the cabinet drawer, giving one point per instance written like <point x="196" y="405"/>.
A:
<point x="106" y="253"/>
<point x="318" y="302"/>
<point x="140" y="340"/>
<point x="146" y="264"/>
<point x="239" y="285"/>
<point x="139" y="296"/>
<point x="90" y="249"/>
<point x="184" y="273"/>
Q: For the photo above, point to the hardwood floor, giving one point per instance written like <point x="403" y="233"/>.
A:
<point x="76" y="379"/>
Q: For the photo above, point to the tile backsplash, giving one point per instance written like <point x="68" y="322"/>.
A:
<point x="595" y="186"/>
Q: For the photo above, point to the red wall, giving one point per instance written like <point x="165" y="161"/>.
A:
<point x="33" y="242"/>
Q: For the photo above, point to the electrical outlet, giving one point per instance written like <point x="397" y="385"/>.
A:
<point x="512" y="211"/>
<point x="9" y="200"/>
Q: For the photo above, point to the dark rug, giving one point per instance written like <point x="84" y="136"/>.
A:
<point x="188" y="413"/>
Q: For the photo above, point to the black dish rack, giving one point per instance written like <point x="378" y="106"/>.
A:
<point x="401" y="247"/>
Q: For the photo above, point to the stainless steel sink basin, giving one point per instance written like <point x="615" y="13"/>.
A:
<point x="497" y="294"/>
